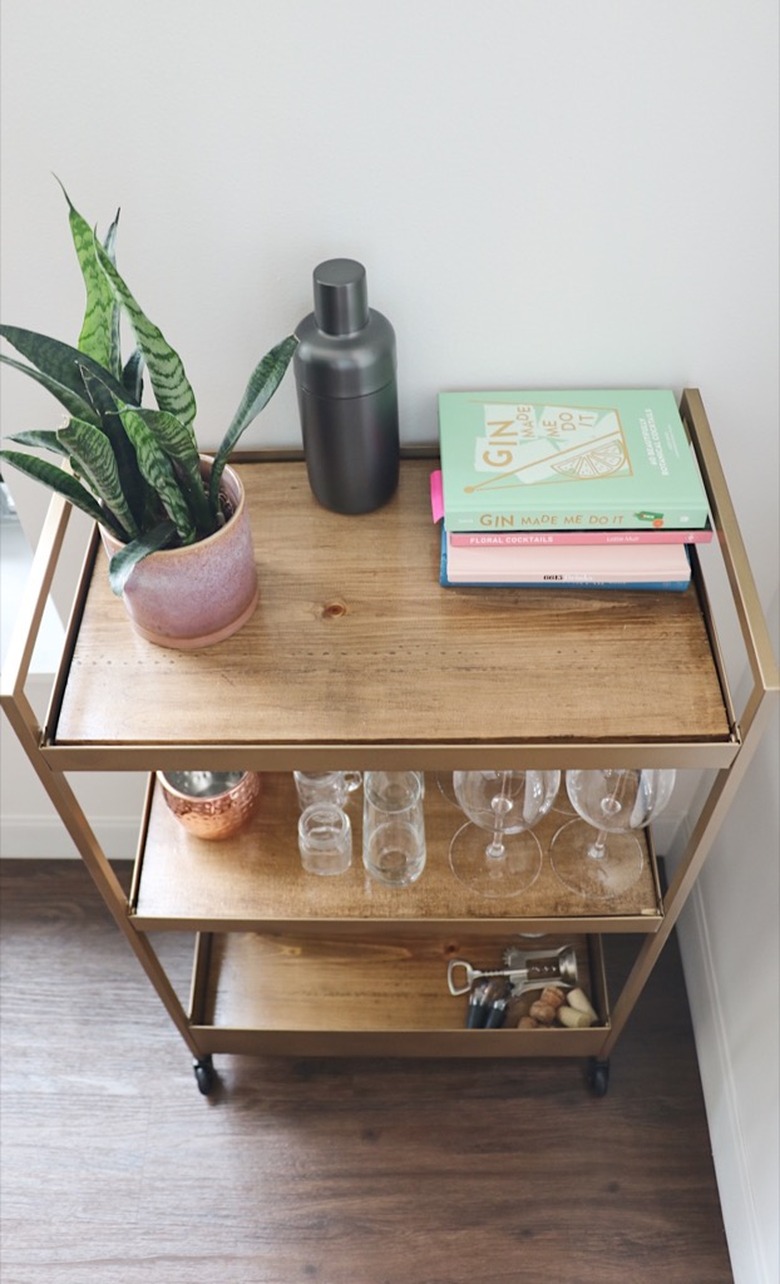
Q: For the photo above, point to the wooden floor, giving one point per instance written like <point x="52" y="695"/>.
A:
<point x="116" y="1171"/>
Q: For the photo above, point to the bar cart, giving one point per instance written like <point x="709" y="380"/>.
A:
<point x="357" y="659"/>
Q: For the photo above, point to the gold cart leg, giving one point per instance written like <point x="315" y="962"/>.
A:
<point x="106" y="881"/>
<point x="712" y="815"/>
<point x="30" y="736"/>
<point x="111" y="891"/>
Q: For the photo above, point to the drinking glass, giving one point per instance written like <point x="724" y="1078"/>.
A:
<point x="598" y="855"/>
<point x="445" y="786"/>
<point x="325" y="839"/>
<point x="211" y="804"/>
<point x="325" y="786"/>
<point x="394" y="826"/>
<point x="505" y="805"/>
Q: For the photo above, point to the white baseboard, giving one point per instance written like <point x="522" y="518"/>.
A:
<point x="732" y="1169"/>
<point x="45" y="838"/>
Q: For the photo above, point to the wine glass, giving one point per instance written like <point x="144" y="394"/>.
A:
<point x="613" y="802"/>
<point x="494" y="853"/>
<point x="444" y="782"/>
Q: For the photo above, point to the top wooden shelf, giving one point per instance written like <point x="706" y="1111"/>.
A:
<point x="356" y="656"/>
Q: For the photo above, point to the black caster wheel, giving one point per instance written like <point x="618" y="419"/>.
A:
<point x="597" y="1076"/>
<point x="205" y="1076"/>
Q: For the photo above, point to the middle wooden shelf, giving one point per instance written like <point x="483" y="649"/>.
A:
<point x="182" y="883"/>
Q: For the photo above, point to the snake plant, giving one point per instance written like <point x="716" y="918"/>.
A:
<point x="133" y="468"/>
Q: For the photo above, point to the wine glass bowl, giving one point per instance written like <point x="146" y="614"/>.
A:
<point x="598" y="854"/>
<point x="445" y="787"/>
<point x="494" y="853"/>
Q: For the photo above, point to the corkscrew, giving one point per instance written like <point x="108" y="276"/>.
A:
<point x="524" y="970"/>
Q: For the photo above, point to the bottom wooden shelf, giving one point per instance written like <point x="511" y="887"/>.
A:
<point x="380" y="994"/>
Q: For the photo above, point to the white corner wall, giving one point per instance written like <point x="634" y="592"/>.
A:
<point x="729" y="940"/>
<point x="546" y="192"/>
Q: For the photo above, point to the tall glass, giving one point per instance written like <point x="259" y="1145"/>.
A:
<point x="394" y="826"/>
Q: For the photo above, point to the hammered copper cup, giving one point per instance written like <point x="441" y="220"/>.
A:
<point x="211" y="804"/>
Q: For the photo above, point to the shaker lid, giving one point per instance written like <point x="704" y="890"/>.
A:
<point x="345" y="348"/>
<point x="340" y="296"/>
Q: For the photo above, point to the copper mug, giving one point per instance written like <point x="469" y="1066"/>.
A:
<point x="211" y="804"/>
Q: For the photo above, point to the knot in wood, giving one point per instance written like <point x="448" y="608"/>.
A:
<point x="334" y="609"/>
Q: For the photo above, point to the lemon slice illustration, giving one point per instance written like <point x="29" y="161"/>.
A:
<point x="601" y="461"/>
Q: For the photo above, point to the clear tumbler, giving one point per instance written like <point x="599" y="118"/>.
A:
<point x="325" y="839"/>
<point x="325" y="786"/>
<point x="393" y="826"/>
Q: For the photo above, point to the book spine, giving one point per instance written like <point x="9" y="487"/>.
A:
<point x="542" y="539"/>
<point x="566" y="582"/>
<point x="607" y="521"/>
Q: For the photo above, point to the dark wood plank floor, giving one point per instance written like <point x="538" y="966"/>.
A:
<point x="116" y="1171"/>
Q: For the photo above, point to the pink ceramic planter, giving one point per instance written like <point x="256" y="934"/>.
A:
<point x="195" y="596"/>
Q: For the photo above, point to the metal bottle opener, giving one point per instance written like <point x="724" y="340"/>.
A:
<point x="525" y="970"/>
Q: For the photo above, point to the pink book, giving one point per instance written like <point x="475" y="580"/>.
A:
<point x="543" y="539"/>
<point x="646" y="565"/>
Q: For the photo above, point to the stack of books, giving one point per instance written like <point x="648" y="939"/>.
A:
<point x="558" y="489"/>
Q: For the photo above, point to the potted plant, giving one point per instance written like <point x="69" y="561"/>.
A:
<point x="166" y="511"/>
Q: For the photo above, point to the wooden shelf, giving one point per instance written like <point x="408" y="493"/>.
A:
<point x="382" y="994"/>
<point x="256" y="878"/>
<point x="356" y="655"/>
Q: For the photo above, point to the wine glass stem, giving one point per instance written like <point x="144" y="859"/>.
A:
<point x="598" y="847"/>
<point x="495" y="848"/>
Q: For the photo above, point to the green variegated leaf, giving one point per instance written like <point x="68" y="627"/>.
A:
<point x="109" y="240"/>
<point x="172" y="436"/>
<point x="262" y="385"/>
<point x="105" y="403"/>
<point x="179" y="445"/>
<point x="109" y="245"/>
<point x="41" y="439"/>
<point x="95" y="459"/>
<point x="166" y="372"/>
<point x="60" y="363"/>
<point x="61" y="482"/>
<point x="126" y="559"/>
<point x="74" y="403"/>
<point x="100" y="329"/>
<point x="132" y="377"/>
<point x="158" y="472"/>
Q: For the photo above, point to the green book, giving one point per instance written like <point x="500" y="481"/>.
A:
<point x="595" y="460"/>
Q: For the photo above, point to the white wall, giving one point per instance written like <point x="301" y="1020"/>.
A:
<point x="543" y="192"/>
<point x="729" y="941"/>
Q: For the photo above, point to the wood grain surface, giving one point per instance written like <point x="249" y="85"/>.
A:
<point x="355" y="642"/>
<point x="339" y="1171"/>
<point x="256" y="875"/>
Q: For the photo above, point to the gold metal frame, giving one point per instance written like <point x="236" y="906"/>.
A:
<point x="731" y="760"/>
<point x="755" y="717"/>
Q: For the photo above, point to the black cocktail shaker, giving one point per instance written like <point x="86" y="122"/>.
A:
<point x="345" y="374"/>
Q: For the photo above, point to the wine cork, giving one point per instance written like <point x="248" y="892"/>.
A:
<point x="579" y="1000"/>
<point x="573" y="1019"/>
